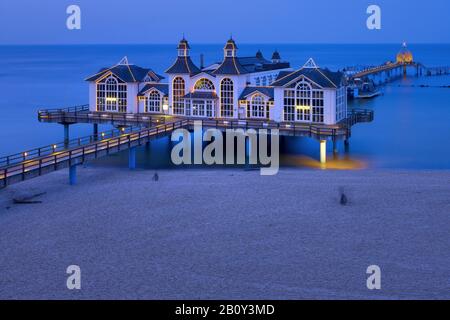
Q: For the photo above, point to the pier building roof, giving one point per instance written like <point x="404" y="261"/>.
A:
<point x="161" y="87"/>
<point x="243" y="65"/>
<point x="322" y="77"/>
<point x="267" y="91"/>
<point x="183" y="65"/>
<point x="127" y="72"/>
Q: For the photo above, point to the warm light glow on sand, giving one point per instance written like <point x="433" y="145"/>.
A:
<point x="331" y="164"/>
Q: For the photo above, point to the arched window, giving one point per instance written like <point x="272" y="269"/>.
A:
<point x="258" y="106"/>
<point x="153" y="102"/>
<point x="112" y="95"/>
<point x="204" y="85"/>
<point x="226" y="98"/>
<point x="304" y="103"/>
<point x="303" y="93"/>
<point x="178" y="94"/>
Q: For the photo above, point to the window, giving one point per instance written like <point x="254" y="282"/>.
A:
<point x="317" y="106"/>
<point x="257" y="107"/>
<point x="204" y="85"/>
<point x="226" y="98"/>
<point x="303" y="103"/>
<point x="258" y="81"/>
<point x="112" y="95"/>
<point x="289" y="105"/>
<point x="264" y="81"/>
<point x="341" y="104"/>
<point x="178" y="94"/>
<point x="153" y="102"/>
<point x="203" y="108"/>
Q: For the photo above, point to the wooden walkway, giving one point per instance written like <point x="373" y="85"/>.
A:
<point x="138" y="130"/>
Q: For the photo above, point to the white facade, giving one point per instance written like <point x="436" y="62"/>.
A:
<point x="232" y="89"/>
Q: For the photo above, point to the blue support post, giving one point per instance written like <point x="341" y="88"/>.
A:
<point x="95" y="131"/>
<point x="66" y="135"/>
<point x="132" y="158"/>
<point x="73" y="175"/>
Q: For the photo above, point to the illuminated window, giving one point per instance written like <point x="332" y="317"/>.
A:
<point x="303" y="103"/>
<point x="204" y="85"/>
<point x="257" y="107"/>
<point x="112" y="95"/>
<point x="178" y="92"/>
<point x="226" y="98"/>
<point x="153" y="102"/>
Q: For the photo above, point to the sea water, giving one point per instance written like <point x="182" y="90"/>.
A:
<point x="411" y="129"/>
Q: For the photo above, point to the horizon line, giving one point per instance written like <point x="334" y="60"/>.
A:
<point x="220" y="43"/>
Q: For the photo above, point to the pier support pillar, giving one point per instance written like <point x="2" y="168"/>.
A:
<point x="95" y="133"/>
<point x="335" y="148"/>
<point x="73" y="175"/>
<point x="346" y="145"/>
<point x="323" y="151"/>
<point x="66" y="135"/>
<point x="132" y="158"/>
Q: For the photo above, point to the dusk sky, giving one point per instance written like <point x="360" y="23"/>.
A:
<point x="212" y="21"/>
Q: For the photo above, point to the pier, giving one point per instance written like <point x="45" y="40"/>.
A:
<point x="136" y="130"/>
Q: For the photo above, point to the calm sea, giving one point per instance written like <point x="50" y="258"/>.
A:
<point x="411" y="128"/>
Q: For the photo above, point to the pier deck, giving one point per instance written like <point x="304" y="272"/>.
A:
<point x="136" y="130"/>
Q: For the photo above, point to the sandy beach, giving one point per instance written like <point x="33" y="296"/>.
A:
<point x="227" y="234"/>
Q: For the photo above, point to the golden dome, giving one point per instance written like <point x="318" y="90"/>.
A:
<point x="405" y="56"/>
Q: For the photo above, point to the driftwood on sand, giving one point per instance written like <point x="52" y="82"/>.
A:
<point x="29" y="200"/>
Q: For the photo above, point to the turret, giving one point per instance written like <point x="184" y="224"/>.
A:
<point x="183" y="48"/>
<point x="230" y="49"/>
<point x="276" y="58"/>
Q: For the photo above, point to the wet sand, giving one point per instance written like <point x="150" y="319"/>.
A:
<point x="227" y="234"/>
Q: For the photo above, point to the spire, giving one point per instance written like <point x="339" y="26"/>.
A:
<point x="259" y="55"/>
<point x="310" y="64"/>
<point x="123" y="62"/>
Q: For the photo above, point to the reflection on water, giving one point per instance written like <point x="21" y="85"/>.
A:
<point x="338" y="162"/>
<point x="294" y="152"/>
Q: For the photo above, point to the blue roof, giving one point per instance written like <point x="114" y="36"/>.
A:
<point x="242" y="65"/>
<point x="267" y="91"/>
<point x="323" y="77"/>
<point x="230" y="66"/>
<point x="183" y="65"/>
<point x="127" y="73"/>
<point x="162" y="87"/>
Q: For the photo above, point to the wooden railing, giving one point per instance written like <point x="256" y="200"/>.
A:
<point x="61" y="146"/>
<point x="82" y="114"/>
<point x="88" y="146"/>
